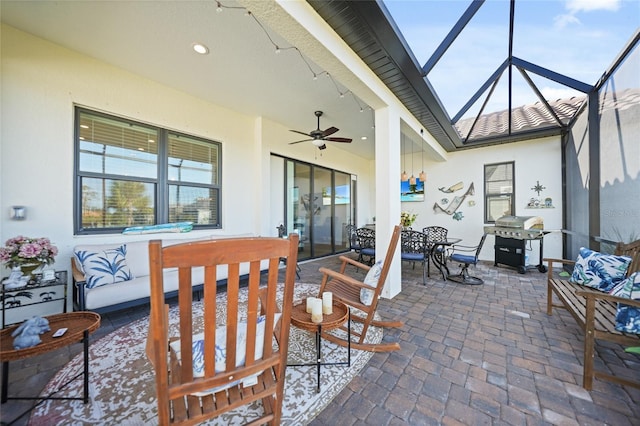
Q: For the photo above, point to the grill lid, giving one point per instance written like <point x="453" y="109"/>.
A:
<point x="520" y="222"/>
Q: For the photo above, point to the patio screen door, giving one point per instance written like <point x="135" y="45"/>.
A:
<point x="318" y="206"/>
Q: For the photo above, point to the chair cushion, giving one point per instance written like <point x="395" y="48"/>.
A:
<point x="366" y="296"/>
<point x="628" y="317"/>
<point x="221" y="352"/>
<point x="415" y="257"/>
<point x="106" y="266"/>
<point x="463" y="258"/>
<point x="599" y="271"/>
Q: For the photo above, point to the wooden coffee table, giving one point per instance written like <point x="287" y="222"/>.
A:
<point x="301" y="319"/>
<point x="78" y="324"/>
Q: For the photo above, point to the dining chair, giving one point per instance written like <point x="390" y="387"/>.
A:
<point x="238" y="358"/>
<point x="433" y="234"/>
<point x="282" y="233"/>
<point x="413" y="249"/>
<point x="350" y="230"/>
<point x="466" y="256"/>
<point x="367" y="242"/>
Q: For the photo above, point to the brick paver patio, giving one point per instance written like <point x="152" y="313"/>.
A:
<point x="470" y="355"/>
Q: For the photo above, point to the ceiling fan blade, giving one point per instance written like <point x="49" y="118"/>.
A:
<point x="301" y="133"/>
<point x="345" y="140"/>
<point x="303" y="140"/>
<point x="329" y="131"/>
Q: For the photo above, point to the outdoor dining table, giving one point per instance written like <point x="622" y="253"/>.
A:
<point x="438" y="254"/>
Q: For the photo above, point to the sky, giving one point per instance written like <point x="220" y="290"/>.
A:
<point x="576" y="38"/>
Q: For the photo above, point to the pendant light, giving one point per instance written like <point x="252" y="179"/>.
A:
<point x="422" y="175"/>
<point x="412" y="179"/>
<point x="404" y="175"/>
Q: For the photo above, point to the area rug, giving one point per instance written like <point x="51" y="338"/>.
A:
<point x="122" y="389"/>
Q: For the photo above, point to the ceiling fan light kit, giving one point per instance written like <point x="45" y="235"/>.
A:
<point x="319" y="137"/>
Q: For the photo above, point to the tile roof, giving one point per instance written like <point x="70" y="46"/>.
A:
<point x="524" y="118"/>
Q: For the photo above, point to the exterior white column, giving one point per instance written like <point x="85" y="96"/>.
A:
<point x="387" y="201"/>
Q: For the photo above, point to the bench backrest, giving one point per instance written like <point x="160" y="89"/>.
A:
<point x="633" y="251"/>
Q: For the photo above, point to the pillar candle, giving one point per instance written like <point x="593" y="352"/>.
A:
<point x="327" y="303"/>
<point x="316" y="310"/>
<point x="309" y="304"/>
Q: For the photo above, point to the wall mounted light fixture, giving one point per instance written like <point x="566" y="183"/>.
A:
<point x="18" y="212"/>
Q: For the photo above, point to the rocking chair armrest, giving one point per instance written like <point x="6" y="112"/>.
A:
<point x="354" y="262"/>
<point x="344" y="278"/>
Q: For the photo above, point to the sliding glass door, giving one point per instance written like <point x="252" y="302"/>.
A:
<point x="318" y="206"/>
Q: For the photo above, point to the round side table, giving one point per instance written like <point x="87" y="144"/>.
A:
<point x="301" y="319"/>
<point x="78" y="325"/>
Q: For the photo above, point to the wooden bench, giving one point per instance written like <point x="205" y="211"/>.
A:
<point x="595" y="313"/>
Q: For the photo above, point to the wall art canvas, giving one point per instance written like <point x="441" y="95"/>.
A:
<point x="411" y="192"/>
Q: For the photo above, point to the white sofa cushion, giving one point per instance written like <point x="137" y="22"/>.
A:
<point x="137" y="257"/>
<point x="105" y="265"/>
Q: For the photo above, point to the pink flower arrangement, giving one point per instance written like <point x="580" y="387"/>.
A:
<point x="21" y="250"/>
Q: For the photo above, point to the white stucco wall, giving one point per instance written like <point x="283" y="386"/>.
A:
<point x="537" y="160"/>
<point x="41" y="82"/>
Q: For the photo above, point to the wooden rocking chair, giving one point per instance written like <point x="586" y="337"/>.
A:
<point x="233" y="362"/>
<point x="348" y="290"/>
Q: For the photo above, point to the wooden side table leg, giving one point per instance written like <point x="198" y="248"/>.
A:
<point x="85" y="342"/>
<point x="5" y="382"/>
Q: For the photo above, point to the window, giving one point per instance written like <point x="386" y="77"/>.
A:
<point x="499" y="199"/>
<point x="134" y="174"/>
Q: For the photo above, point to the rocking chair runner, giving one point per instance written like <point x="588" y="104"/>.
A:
<point x="348" y="290"/>
<point x="232" y="363"/>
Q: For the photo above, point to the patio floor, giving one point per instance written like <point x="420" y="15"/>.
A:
<point x="470" y="355"/>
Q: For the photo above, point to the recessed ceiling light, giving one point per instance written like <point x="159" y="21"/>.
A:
<point x="364" y="138"/>
<point x="200" y="48"/>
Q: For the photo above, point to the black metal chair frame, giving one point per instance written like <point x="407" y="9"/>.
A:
<point x="413" y="249"/>
<point x="282" y="233"/>
<point x="350" y="230"/>
<point x="433" y="234"/>
<point x="456" y="254"/>
<point x="367" y="243"/>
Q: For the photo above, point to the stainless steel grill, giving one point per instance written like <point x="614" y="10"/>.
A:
<point x="518" y="227"/>
<point x="511" y="233"/>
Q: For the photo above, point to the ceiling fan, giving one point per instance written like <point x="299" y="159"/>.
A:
<point x="320" y="136"/>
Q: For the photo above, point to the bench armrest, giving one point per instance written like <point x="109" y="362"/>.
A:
<point x="550" y="261"/>
<point x="604" y="296"/>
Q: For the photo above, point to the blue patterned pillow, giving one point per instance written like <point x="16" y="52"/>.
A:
<point x="628" y="317"/>
<point x="105" y="266"/>
<point x="221" y="352"/>
<point x="599" y="271"/>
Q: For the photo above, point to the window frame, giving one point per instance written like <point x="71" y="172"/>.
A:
<point x="492" y="197"/>
<point x="161" y="208"/>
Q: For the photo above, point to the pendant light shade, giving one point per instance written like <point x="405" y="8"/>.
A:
<point x="422" y="176"/>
